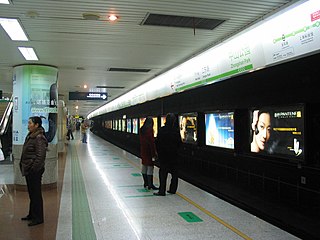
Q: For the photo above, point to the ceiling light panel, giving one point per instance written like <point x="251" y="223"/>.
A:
<point x="28" y="53"/>
<point x="4" y="2"/>
<point x="13" y="29"/>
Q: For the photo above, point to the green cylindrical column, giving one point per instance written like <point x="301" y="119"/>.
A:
<point x="35" y="93"/>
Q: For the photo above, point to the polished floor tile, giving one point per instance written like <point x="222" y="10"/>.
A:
<point x="120" y="208"/>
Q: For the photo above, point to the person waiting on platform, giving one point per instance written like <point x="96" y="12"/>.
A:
<point x="84" y="127"/>
<point x="168" y="143"/>
<point x="32" y="167"/>
<point x="147" y="152"/>
<point x="261" y="128"/>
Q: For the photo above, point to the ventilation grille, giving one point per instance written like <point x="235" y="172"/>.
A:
<point x="181" y="21"/>
<point x="140" y="70"/>
<point x="113" y="87"/>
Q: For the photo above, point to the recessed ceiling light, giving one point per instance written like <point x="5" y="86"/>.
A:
<point x="112" y="17"/>
<point x="85" y="86"/>
<point x="77" y="107"/>
<point x="28" y="53"/>
<point x="4" y="2"/>
<point x="13" y="29"/>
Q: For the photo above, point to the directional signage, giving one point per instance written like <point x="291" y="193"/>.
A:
<point x="88" y="96"/>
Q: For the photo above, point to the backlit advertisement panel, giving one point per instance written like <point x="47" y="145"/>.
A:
<point x="135" y="127"/>
<point x="220" y="129"/>
<point x="129" y="125"/>
<point x="35" y="93"/>
<point x="155" y="125"/>
<point x="188" y="127"/>
<point x="278" y="131"/>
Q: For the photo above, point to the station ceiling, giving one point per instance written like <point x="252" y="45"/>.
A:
<point x="77" y="37"/>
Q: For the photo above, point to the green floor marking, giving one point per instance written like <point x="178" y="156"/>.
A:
<point x="136" y="174"/>
<point x="143" y="190"/>
<point x="82" y="227"/>
<point x="130" y="186"/>
<point x="121" y="165"/>
<point x="190" y="217"/>
<point x="139" y="196"/>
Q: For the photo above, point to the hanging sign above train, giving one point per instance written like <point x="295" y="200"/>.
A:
<point x="102" y="96"/>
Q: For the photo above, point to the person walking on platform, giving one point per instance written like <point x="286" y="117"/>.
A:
<point x="32" y="167"/>
<point x="147" y="152"/>
<point x="168" y="143"/>
<point x="70" y="128"/>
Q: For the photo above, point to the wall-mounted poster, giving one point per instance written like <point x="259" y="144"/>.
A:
<point x="129" y="127"/>
<point x="188" y="127"/>
<point x="278" y="131"/>
<point x="135" y="127"/>
<point x="220" y="129"/>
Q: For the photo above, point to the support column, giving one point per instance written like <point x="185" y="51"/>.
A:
<point x="35" y="93"/>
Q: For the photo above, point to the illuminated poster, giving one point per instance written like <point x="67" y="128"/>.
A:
<point x="220" y="129"/>
<point x="279" y="131"/>
<point x="115" y="126"/>
<point x="135" y="126"/>
<point x="163" y="121"/>
<point x="188" y="128"/>
<point x="108" y="124"/>
<point x="35" y="93"/>
<point x="119" y="124"/>
<point x="124" y="125"/>
<point x="129" y="125"/>
<point x="141" y="121"/>
<point x="155" y="125"/>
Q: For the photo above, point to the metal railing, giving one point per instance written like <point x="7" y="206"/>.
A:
<point x="6" y="117"/>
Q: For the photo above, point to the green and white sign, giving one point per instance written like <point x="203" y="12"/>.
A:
<point x="290" y="33"/>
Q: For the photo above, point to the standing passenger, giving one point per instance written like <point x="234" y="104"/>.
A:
<point x="32" y="167"/>
<point x="168" y="142"/>
<point x="147" y="152"/>
<point x="84" y="128"/>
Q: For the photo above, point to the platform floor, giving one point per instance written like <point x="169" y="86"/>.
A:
<point x="100" y="196"/>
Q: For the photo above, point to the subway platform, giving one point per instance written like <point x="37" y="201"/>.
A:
<point x="100" y="195"/>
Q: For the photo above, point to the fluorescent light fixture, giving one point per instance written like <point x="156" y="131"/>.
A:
<point x="28" y="53"/>
<point x="4" y="2"/>
<point x="13" y="29"/>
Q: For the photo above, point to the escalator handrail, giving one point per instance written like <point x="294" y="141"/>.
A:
<point x="5" y="118"/>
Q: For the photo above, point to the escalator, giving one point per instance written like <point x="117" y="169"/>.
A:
<point x="6" y="130"/>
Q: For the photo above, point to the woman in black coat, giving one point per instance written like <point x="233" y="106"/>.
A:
<point x="32" y="167"/>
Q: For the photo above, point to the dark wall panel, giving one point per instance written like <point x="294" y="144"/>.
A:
<point x="268" y="187"/>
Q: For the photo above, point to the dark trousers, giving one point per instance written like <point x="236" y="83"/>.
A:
<point x="35" y="195"/>
<point x="84" y="138"/>
<point x="69" y="133"/>
<point x="163" y="174"/>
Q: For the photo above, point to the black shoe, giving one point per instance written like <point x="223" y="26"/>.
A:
<point x="171" y="192"/>
<point x="33" y="223"/>
<point x="159" y="194"/>
<point x="26" y="218"/>
<point x="153" y="188"/>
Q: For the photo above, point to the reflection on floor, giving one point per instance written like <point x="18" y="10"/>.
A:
<point x="15" y="204"/>
<point x="103" y="198"/>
